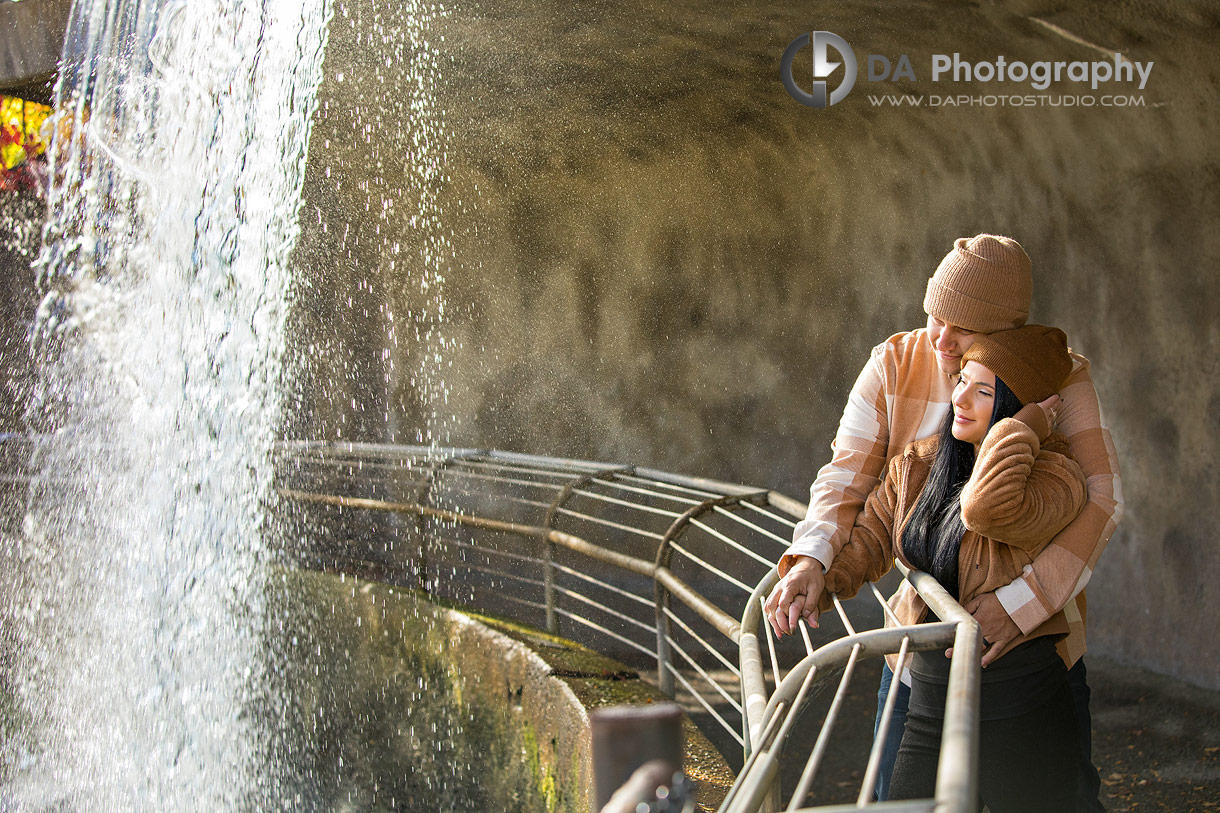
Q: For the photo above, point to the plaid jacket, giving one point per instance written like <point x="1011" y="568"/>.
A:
<point x="901" y="396"/>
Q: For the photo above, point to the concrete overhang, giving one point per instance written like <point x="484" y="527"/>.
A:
<point x="32" y="36"/>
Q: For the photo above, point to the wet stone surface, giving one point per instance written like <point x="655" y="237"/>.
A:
<point x="376" y="715"/>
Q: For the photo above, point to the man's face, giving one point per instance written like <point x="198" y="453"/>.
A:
<point x="950" y="342"/>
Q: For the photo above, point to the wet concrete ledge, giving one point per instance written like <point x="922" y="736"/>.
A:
<point x="507" y="706"/>
<point x="552" y="684"/>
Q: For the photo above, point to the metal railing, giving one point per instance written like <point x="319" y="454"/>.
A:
<point x="630" y="560"/>
<point x="698" y="547"/>
<point x="771" y="717"/>
<point x="709" y="545"/>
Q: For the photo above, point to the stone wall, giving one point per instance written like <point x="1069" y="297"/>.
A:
<point x="489" y="715"/>
<point x="647" y="252"/>
<point x="652" y="254"/>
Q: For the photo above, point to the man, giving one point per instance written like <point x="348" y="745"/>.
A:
<point x="983" y="285"/>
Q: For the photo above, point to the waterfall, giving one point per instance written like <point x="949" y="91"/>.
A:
<point x="136" y="621"/>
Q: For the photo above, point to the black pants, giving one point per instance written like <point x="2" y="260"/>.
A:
<point x="1089" y="784"/>
<point x="1088" y="789"/>
<point x="1026" y="763"/>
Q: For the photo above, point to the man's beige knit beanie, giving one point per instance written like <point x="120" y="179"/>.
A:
<point x="984" y="284"/>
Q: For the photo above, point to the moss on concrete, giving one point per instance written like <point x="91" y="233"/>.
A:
<point x="489" y="714"/>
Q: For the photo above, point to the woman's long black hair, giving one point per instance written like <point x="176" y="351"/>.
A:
<point x="933" y="535"/>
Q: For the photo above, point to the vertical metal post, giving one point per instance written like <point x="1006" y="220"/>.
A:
<point x="665" y="675"/>
<point x="627" y="737"/>
<point x="548" y="551"/>
<point x="665" y="678"/>
<point x="957" y="774"/>
<point x="548" y="580"/>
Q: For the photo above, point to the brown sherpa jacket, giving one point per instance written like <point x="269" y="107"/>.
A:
<point x="1024" y="489"/>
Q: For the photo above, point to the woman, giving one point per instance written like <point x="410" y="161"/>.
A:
<point x="972" y="506"/>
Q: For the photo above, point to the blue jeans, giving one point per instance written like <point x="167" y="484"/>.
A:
<point x="1089" y="782"/>
<point x="898" y="724"/>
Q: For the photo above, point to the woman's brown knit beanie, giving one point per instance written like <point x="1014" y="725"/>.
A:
<point x="984" y="284"/>
<point x="1032" y="360"/>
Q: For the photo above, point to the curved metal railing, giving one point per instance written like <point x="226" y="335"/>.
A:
<point x="771" y="717"/>
<point x="708" y="545"/>
<point x="632" y="560"/>
<point x="557" y="543"/>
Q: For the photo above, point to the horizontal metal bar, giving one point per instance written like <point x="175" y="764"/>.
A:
<point x="699" y="699"/>
<point x="557" y="462"/>
<point x="533" y="605"/>
<point x="842" y="613"/>
<point x="518" y="557"/>
<point x="732" y="543"/>
<point x="397" y="467"/>
<point x="599" y="628"/>
<point x="447" y="492"/>
<point x="422" y="510"/>
<point x="716" y="487"/>
<point x="622" y="486"/>
<point x="885" y="606"/>
<point x="384" y="449"/>
<point x="708" y="566"/>
<point x="474" y="475"/>
<point x="479" y="464"/>
<point x="593" y="495"/>
<point x="791" y="507"/>
<point x="568" y="512"/>
<point x="573" y="572"/>
<point x="677" y="619"/>
<point x="725" y="624"/>
<point x="706" y="677"/>
<point x="736" y="516"/>
<point x="607" y="610"/>
<point x="675" y="488"/>
<point x="504" y="575"/>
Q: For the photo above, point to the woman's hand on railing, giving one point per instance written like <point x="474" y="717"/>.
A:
<point x="796" y="596"/>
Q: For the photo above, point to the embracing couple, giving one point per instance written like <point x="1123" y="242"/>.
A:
<point x="974" y="450"/>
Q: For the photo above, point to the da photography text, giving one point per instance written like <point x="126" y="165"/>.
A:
<point x="830" y="85"/>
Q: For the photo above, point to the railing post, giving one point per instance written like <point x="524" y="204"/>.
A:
<point x="548" y="549"/>
<point x="665" y="675"/>
<point x="548" y="588"/>
<point x="665" y="678"/>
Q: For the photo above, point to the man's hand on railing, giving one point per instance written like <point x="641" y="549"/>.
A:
<point x="796" y="596"/>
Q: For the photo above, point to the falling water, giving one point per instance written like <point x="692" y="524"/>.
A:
<point x="137" y="612"/>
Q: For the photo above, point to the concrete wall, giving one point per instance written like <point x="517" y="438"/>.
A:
<point x="652" y="254"/>
<point x="646" y="251"/>
<point x="489" y="715"/>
